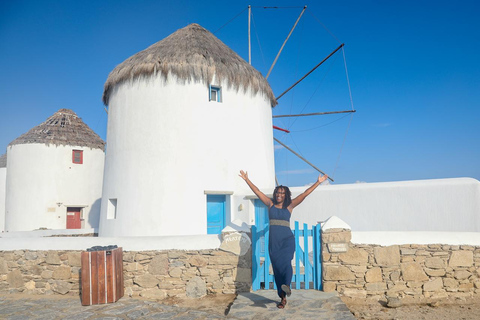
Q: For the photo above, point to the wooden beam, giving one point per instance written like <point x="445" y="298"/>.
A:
<point x="285" y="42"/>
<point x="312" y="114"/>
<point x="318" y="65"/>
<point x="281" y="129"/>
<point x="313" y="166"/>
<point x="249" y="42"/>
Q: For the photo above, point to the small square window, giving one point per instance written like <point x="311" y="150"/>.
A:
<point x="77" y="156"/>
<point x="215" y="93"/>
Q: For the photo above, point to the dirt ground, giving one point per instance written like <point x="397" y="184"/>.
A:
<point x="439" y="310"/>
<point x="217" y="304"/>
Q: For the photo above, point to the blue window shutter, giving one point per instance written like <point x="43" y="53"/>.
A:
<point x="215" y="213"/>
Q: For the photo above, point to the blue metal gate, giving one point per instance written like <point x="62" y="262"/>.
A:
<point x="307" y="273"/>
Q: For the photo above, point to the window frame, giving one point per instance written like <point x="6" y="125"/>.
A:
<point x="218" y="91"/>
<point x="80" y="152"/>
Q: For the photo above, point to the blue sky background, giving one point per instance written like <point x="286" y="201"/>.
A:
<point x="413" y="70"/>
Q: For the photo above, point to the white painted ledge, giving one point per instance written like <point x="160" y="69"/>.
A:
<point x="196" y="242"/>
<point x="334" y="222"/>
<point x="46" y="233"/>
<point x="387" y="238"/>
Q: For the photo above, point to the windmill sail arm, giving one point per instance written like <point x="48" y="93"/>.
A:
<point x="285" y="42"/>
<point x="312" y="114"/>
<point x="308" y="73"/>
<point x="313" y="166"/>
<point x="281" y="129"/>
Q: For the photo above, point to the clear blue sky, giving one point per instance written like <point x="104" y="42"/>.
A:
<point x="413" y="68"/>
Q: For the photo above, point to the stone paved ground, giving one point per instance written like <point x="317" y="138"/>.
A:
<point x="303" y="304"/>
<point x="71" y="309"/>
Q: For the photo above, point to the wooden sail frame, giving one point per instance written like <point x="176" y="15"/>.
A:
<point x="285" y="42"/>
<point x="309" y="72"/>
<point x="302" y="158"/>
<point x="292" y="86"/>
<point x="313" y="114"/>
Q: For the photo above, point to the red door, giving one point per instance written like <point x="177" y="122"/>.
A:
<point x="73" y="218"/>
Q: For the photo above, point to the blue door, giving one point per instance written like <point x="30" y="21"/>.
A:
<point x="261" y="221"/>
<point x="215" y="213"/>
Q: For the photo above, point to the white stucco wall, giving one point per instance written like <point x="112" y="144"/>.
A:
<point x="49" y="233"/>
<point x="167" y="145"/>
<point x="42" y="182"/>
<point x="388" y="238"/>
<point x="3" y="182"/>
<point x="423" y="205"/>
<point x="198" y="242"/>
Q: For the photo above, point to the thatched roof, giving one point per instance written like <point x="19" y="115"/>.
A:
<point x="63" y="128"/>
<point x="3" y="160"/>
<point x="191" y="54"/>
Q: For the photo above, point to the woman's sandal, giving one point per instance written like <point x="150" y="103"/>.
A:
<point x="282" y="303"/>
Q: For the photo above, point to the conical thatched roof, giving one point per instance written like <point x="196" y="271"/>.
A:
<point x="63" y="128"/>
<point x="191" y="53"/>
<point x="3" y="160"/>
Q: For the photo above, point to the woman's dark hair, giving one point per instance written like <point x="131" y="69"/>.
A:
<point x="288" y="196"/>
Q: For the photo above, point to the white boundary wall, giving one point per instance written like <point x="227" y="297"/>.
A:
<point x="423" y="205"/>
<point x="42" y="182"/>
<point x="168" y="146"/>
<point x="388" y="238"/>
<point x="3" y="184"/>
<point x="198" y="242"/>
<point x="48" y="233"/>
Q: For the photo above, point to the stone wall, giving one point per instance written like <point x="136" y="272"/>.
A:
<point x="415" y="272"/>
<point x="151" y="274"/>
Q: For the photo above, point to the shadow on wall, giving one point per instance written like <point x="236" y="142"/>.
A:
<point x="94" y="216"/>
<point x="236" y="240"/>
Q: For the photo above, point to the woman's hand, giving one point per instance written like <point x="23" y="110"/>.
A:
<point x="322" y="178"/>
<point x="266" y="200"/>
<point x="302" y="196"/>
<point x="243" y="175"/>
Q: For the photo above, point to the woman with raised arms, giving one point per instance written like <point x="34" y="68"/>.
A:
<point x="281" y="245"/>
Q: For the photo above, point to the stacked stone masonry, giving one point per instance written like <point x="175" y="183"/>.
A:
<point x="416" y="272"/>
<point x="150" y="274"/>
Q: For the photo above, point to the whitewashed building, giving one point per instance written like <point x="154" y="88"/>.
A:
<point x="3" y="183"/>
<point x="54" y="176"/>
<point x="184" y="116"/>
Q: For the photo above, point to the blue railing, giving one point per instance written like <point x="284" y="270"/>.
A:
<point x="312" y="269"/>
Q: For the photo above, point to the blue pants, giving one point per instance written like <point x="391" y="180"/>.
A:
<point x="281" y="248"/>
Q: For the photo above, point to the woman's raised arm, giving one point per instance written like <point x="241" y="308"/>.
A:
<point x="302" y="196"/>
<point x="266" y="200"/>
